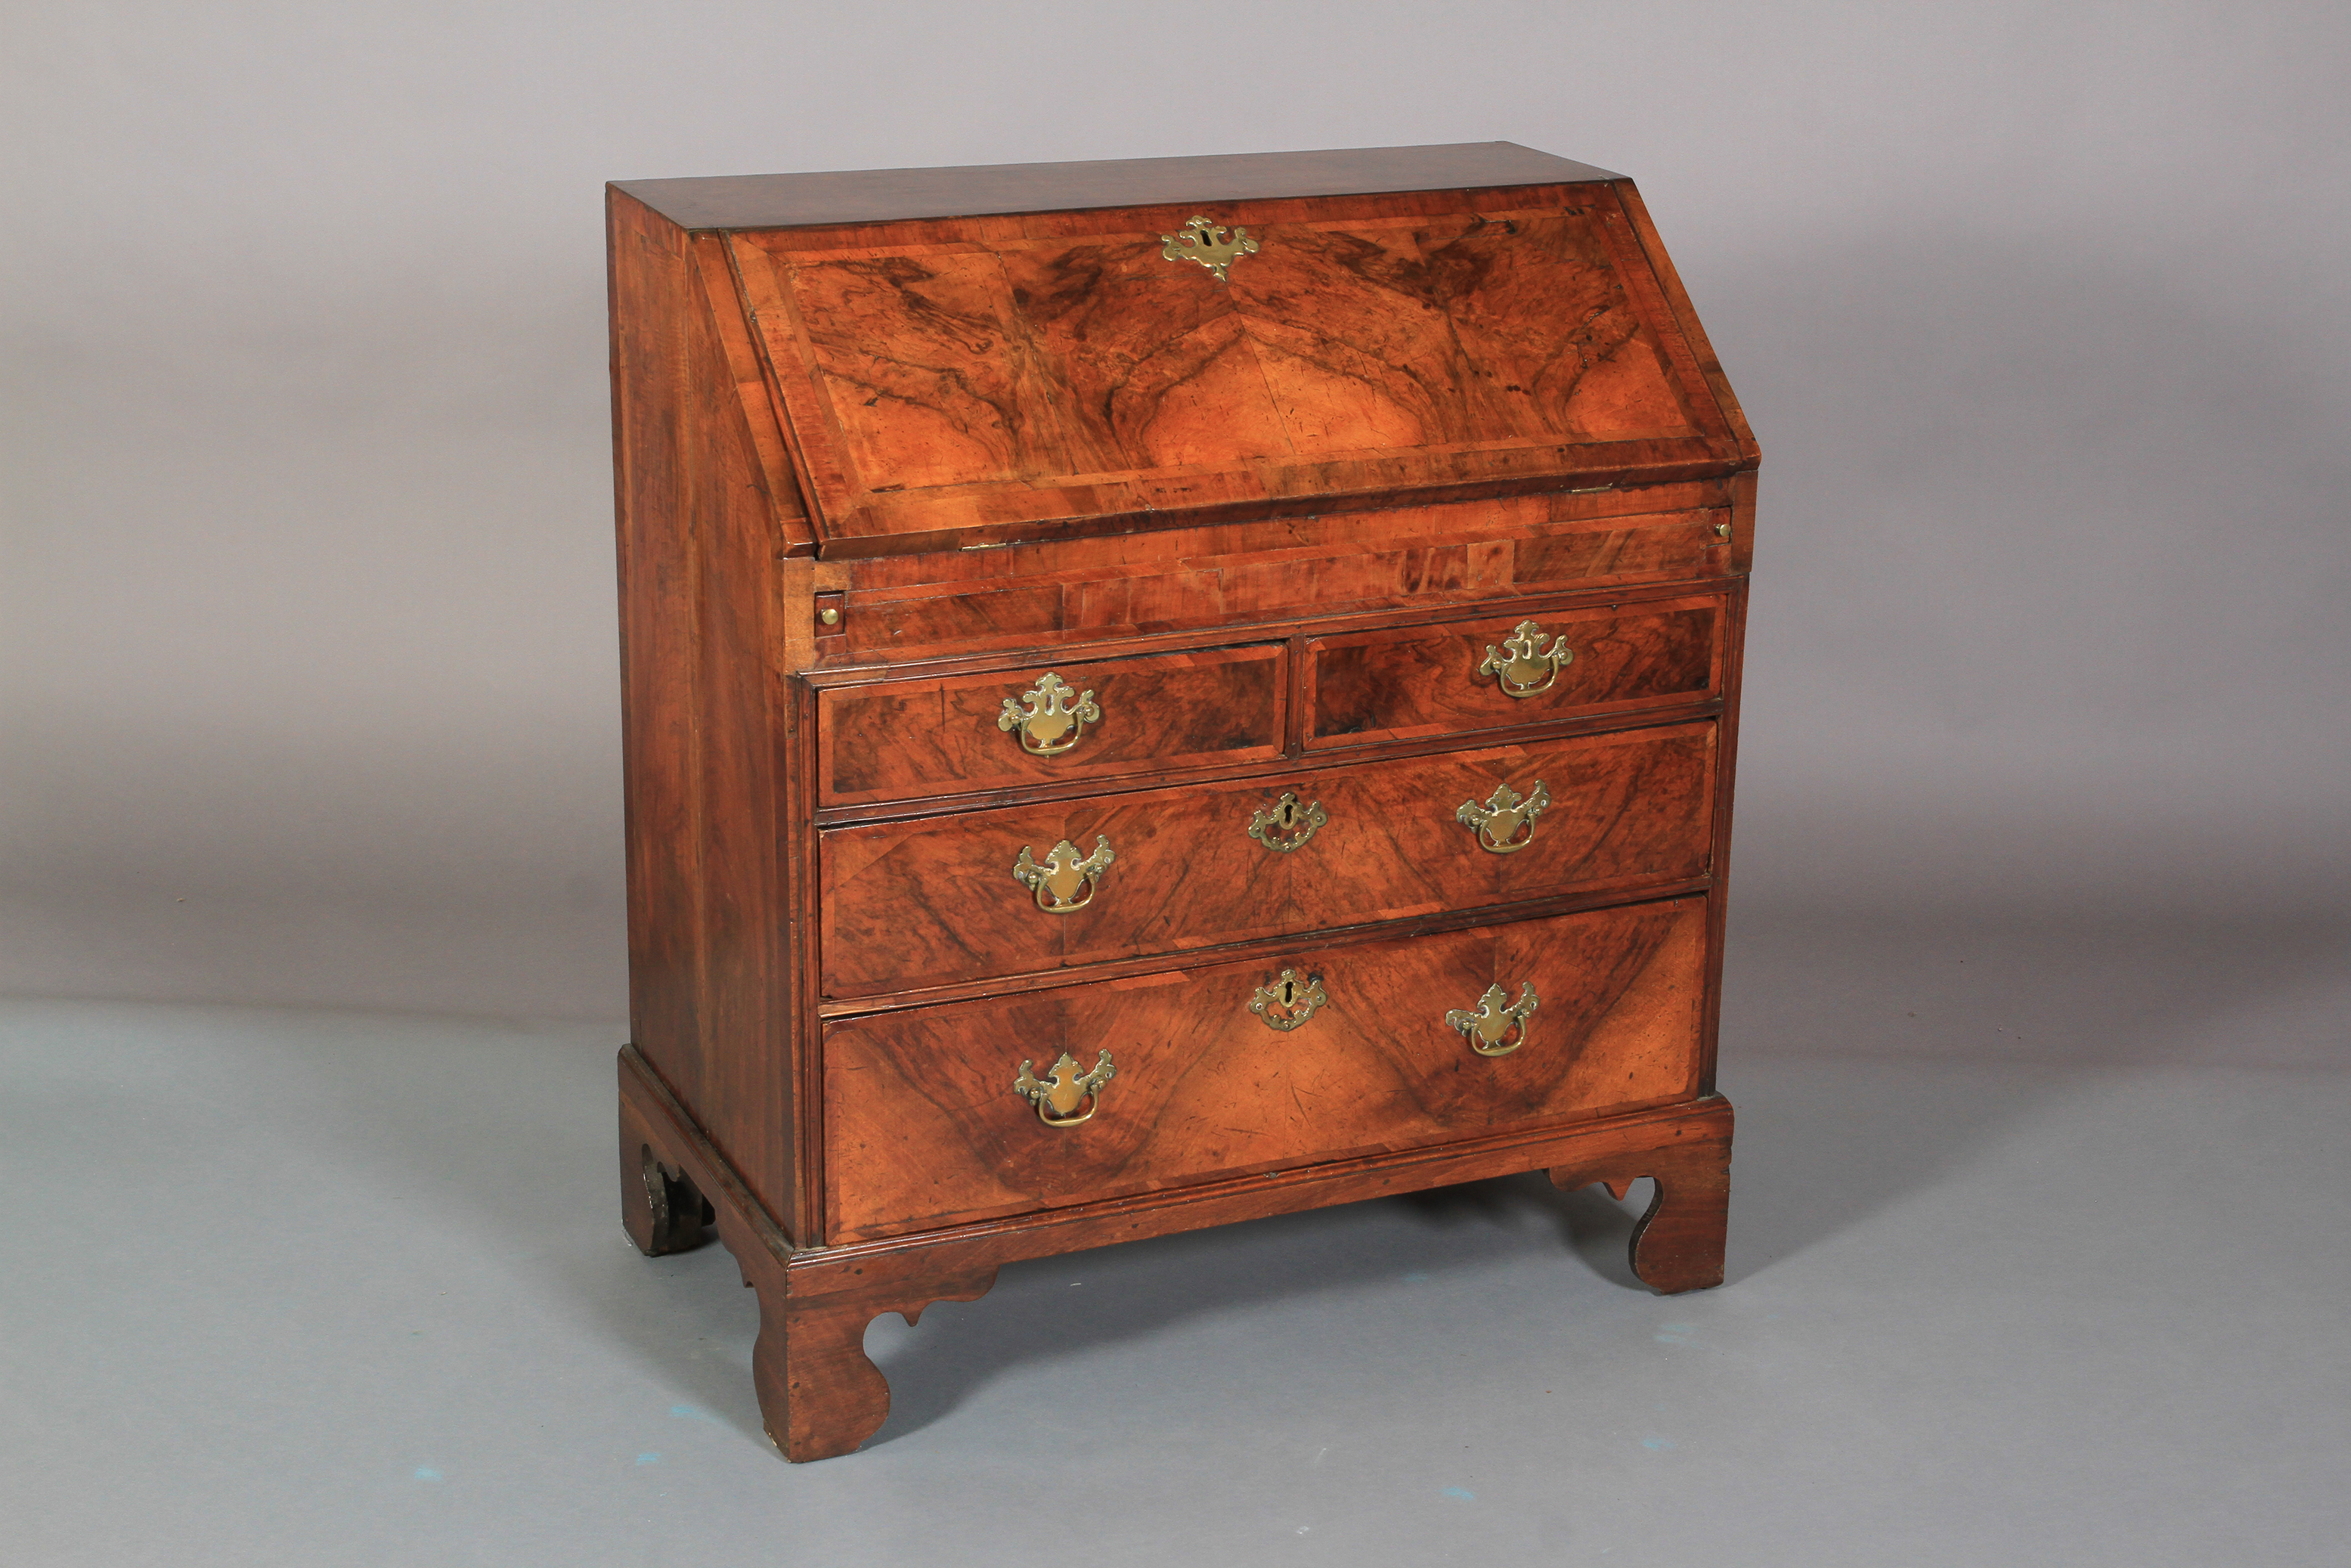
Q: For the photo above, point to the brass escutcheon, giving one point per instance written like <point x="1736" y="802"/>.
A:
<point x="1286" y="824"/>
<point x="1489" y="1021"/>
<point x="1051" y="721"/>
<point x="1289" y="1001"/>
<point x="1057" y="882"/>
<point x="1500" y="819"/>
<point x="1211" y="245"/>
<point x="1521" y="666"/>
<point x="1057" y="1100"/>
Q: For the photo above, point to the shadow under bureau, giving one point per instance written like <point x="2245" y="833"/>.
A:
<point x="1159" y="693"/>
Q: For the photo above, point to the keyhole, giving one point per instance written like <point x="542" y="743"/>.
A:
<point x="1289" y="814"/>
<point x="1289" y="992"/>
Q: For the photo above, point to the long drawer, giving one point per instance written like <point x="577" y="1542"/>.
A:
<point x="1034" y="888"/>
<point x="1067" y="1094"/>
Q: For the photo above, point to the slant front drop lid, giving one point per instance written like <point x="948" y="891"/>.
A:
<point x="1159" y="693"/>
<point x="1033" y="377"/>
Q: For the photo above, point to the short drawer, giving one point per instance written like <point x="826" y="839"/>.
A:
<point x="1462" y="676"/>
<point x="943" y="899"/>
<point x="936" y="1116"/>
<point x="898" y="740"/>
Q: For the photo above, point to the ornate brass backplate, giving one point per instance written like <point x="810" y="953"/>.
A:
<point x="1286" y="824"/>
<point x="1064" y="883"/>
<point x="1289" y="1001"/>
<point x="1048" y="718"/>
<point x="1057" y="1099"/>
<point x="1490" y="1023"/>
<point x="1211" y="245"/>
<point x="1521" y="666"/>
<point x="1506" y="823"/>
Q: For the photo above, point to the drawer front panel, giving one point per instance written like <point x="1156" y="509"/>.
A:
<point x="899" y="740"/>
<point x="1466" y="676"/>
<point x="1619" y="811"/>
<point x="937" y="900"/>
<point x="925" y="1127"/>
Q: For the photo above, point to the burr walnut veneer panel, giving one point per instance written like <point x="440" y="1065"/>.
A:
<point x="902" y="739"/>
<point x="1415" y="681"/>
<point x="968" y="374"/>
<point x="1402" y="557"/>
<point x="924" y="1131"/>
<point x="935" y="901"/>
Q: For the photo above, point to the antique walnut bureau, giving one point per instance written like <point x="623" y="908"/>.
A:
<point x="1159" y="693"/>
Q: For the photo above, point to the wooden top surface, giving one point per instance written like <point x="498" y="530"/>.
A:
<point x="889" y="195"/>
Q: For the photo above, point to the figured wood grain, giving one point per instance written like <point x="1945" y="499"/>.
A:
<point x="1409" y="334"/>
<point x="933" y="901"/>
<point x="921" y="371"/>
<point x="905" y="740"/>
<point x="1302" y="502"/>
<point x="1454" y="566"/>
<point x="1338" y="531"/>
<point x="950" y="377"/>
<point x="1426" y="680"/>
<point x="1627" y="810"/>
<point x="924" y="1129"/>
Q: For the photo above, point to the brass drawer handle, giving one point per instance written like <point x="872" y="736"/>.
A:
<point x="1058" y="882"/>
<point x="1289" y="1001"/>
<point x="1212" y="245"/>
<point x="1490" y="1022"/>
<point x="1286" y="824"/>
<point x="1057" y="1100"/>
<point x="1521" y="666"/>
<point x="1505" y="823"/>
<point x="1051" y="721"/>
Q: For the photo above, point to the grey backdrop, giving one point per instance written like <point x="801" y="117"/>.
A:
<point x="311" y="694"/>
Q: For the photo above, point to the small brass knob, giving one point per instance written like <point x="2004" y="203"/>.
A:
<point x="829" y="615"/>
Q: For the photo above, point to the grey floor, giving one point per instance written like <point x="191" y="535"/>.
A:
<point x="2039" y="1256"/>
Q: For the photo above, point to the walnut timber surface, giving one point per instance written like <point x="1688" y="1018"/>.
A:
<point x="966" y="531"/>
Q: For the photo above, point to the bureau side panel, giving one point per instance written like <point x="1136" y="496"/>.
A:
<point x="699" y="535"/>
<point x="660" y="615"/>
